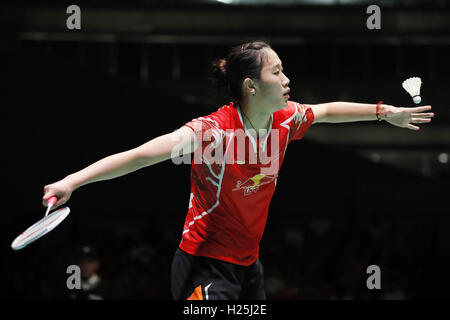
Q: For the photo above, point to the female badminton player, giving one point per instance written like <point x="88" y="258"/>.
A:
<point x="218" y="254"/>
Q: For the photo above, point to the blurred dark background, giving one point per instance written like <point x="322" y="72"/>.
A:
<point x="348" y="196"/>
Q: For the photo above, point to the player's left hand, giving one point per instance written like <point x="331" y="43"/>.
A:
<point x="405" y="117"/>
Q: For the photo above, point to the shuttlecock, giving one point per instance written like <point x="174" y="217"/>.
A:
<point x="412" y="86"/>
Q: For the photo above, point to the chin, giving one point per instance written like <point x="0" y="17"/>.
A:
<point x="281" y="106"/>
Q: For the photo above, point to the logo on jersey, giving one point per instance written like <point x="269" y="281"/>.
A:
<point x="252" y="184"/>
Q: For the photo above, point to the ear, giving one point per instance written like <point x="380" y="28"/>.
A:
<point x="249" y="86"/>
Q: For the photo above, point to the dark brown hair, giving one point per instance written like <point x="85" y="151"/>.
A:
<point x="243" y="61"/>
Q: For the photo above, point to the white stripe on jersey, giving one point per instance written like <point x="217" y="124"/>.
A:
<point x="219" y="186"/>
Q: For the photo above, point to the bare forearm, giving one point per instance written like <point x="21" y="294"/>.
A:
<point x="107" y="168"/>
<point x="351" y="111"/>
<point x="156" y="150"/>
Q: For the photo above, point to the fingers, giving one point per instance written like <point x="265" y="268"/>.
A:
<point x="56" y="205"/>
<point x="48" y="193"/>
<point x="59" y="202"/>
<point x="421" y="109"/>
<point x="412" y="127"/>
<point x="417" y="120"/>
<point x="422" y="116"/>
<point x="429" y="115"/>
<point x="45" y="200"/>
<point x="420" y="120"/>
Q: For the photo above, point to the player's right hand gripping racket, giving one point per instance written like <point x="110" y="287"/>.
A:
<point x="42" y="227"/>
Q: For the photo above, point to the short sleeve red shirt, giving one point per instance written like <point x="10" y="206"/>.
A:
<point x="233" y="179"/>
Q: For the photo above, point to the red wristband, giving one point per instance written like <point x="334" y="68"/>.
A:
<point x="378" y="110"/>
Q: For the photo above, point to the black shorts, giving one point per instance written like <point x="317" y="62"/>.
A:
<point x="202" y="278"/>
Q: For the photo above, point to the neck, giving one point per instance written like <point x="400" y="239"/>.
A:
<point x="254" y="118"/>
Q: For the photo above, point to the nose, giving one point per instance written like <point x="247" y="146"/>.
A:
<point x="286" y="81"/>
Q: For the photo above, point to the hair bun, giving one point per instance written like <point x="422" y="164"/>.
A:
<point x="220" y="72"/>
<point x="222" y="65"/>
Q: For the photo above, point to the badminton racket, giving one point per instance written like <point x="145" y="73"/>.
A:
<point x="42" y="227"/>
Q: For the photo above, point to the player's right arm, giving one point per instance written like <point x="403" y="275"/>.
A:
<point x="179" y="142"/>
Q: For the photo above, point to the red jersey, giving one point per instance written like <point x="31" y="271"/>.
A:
<point x="230" y="189"/>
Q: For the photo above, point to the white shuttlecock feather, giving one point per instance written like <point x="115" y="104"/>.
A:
<point x="412" y="86"/>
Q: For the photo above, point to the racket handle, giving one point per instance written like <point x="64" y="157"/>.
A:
<point x="51" y="202"/>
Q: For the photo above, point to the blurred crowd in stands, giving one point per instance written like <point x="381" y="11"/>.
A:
<point x="317" y="260"/>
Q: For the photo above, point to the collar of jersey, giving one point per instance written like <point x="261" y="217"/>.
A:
<point x="252" y="139"/>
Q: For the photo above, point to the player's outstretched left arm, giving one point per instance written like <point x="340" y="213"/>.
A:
<point x="338" y="112"/>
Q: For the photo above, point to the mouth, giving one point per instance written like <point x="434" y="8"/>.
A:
<point x="286" y="94"/>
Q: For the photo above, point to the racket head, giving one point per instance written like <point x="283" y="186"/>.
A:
<point x="40" y="228"/>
